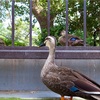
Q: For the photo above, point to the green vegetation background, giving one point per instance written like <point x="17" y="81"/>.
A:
<point x="57" y="23"/>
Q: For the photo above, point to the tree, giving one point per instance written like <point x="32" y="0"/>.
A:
<point x="21" y="23"/>
<point x="93" y="18"/>
<point x="40" y="11"/>
<point x="57" y="16"/>
<point x="75" y="16"/>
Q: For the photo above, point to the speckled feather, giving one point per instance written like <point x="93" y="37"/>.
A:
<point x="60" y="80"/>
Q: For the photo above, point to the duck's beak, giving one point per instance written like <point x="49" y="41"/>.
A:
<point x="42" y="44"/>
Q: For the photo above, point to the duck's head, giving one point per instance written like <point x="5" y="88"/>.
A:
<point x="50" y="42"/>
<point x="63" y="33"/>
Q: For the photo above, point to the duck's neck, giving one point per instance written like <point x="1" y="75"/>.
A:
<point x="51" y="56"/>
<point x="49" y="64"/>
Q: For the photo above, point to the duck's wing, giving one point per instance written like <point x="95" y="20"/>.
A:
<point x="80" y="82"/>
<point x="93" y="82"/>
<point x="75" y="41"/>
<point x="64" y="80"/>
<point x="58" y="80"/>
<point x="85" y="84"/>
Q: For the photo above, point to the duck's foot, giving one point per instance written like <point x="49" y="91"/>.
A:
<point x="62" y="97"/>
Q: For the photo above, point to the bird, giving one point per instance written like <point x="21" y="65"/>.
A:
<point x="72" y="40"/>
<point x="64" y="80"/>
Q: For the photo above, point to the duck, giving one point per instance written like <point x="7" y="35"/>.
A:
<point x="72" y="40"/>
<point x="64" y="80"/>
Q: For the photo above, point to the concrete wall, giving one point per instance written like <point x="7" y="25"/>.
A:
<point x="24" y="74"/>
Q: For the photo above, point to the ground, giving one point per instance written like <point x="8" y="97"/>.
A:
<point x="30" y="95"/>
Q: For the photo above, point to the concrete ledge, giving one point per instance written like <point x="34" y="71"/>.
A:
<point x="42" y="53"/>
<point x="33" y="95"/>
<point x="24" y="74"/>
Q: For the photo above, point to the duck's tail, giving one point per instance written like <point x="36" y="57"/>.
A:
<point x="96" y="97"/>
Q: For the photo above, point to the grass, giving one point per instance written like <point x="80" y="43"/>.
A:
<point x="11" y="99"/>
<point x="33" y="99"/>
<point x="25" y="99"/>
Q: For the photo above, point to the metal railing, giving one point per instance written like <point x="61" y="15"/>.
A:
<point x="63" y="52"/>
<point x="13" y="23"/>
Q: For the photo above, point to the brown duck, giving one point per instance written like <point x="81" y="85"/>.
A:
<point x="72" y="40"/>
<point x="66" y="81"/>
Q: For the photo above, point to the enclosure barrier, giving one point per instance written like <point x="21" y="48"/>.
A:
<point x="20" y="67"/>
<point x="62" y="52"/>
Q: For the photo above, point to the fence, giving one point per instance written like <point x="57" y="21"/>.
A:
<point x="29" y="52"/>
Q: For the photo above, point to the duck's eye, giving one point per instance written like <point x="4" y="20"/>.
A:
<point x="73" y="39"/>
<point x="48" y="39"/>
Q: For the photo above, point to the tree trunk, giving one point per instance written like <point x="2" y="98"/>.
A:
<point x="41" y="15"/>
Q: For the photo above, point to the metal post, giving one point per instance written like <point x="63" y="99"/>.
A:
<point x="84" y="22"/>
<point x="13" y="22"/>
<point x="48" y="15"/>
<point x="30" y="31"/>
<point x="66" y="22"/>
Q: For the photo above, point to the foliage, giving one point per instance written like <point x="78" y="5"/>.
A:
<point x="21" y="23"/>
<point x="58" y="14"/>
<point x="7" y="38"/>
<point x="75" y="18"/>
<point x="93" y="19"/>
<point x="54" y="31"/>
<point x="30" y="99"/>
<point x="21" y="9"/>
<point x="56" y="6"/>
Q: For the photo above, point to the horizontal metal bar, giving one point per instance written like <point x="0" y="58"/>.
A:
<point x="58" y="51"/>
<point x="45" y="48"/>
<point x="42" y="53"/>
